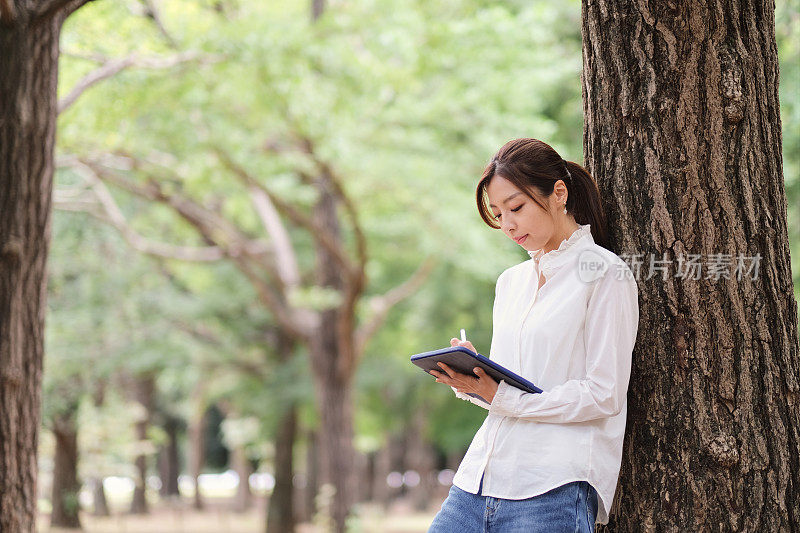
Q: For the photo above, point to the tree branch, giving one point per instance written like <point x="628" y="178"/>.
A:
<point x="326" y="172"/>
<point x="113" y="215"/>
<point x="151" y="11"/>
<point x="112" y="67"/>
<point x="49" y="8"/>
<point x="285" y="257"/>
<point x="205" y="335"/>
<point x="318" y="233"/>
<point x="381" y="305"/>
<point x="331" y="184"/>
<point x="217" y="232"/>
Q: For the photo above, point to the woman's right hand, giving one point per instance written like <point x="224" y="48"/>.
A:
<point x="479" y="383"/>
<point x="466" y="344"/>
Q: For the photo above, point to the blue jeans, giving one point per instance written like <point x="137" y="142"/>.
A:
<point x="570" y="508"/>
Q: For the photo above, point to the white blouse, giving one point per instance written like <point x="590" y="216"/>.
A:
<point x="573" y="338"/>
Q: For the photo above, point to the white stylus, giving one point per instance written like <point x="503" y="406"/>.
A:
<point x="463" y="335"/>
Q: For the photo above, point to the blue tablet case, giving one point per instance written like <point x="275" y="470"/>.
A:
<point x="464" y="360"/>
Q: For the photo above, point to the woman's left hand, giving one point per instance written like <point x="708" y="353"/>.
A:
<point x="482" y="385"/>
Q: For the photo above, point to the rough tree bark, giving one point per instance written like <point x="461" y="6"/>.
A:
<point x="683" y="134"/>
<point x="29" y="33"/>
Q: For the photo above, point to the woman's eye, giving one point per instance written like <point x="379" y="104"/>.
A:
<point x="515" y="210"/>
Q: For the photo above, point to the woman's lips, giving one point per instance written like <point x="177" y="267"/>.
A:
<point x="521" y="239"/>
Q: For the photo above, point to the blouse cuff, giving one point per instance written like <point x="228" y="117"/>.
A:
<point x="477" y="401"/>
<point x="503" y="401"/>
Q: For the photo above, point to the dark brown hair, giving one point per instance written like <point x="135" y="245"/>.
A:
<point x="534" y="167"/>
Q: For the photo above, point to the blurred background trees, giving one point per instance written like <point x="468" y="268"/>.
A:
<point x="197" y="139"/>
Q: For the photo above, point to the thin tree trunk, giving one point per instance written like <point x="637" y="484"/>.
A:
<point x="169" y="466"/>
<point x="197" y="447"/>
<point x="241" y="465"/>
<point x="420" y="459"/>
<point x="333" y="377"/>
<point x="361" y="474"/>
<point x="368" y="494"/>
<point x="144" y="388"/>
<point x="391" y="459"/>
<point x="66" y="486"/>
<point x="334" y="402"/>
<point x="683" y="134"/>
<point x="280" y="513"/>
<point x="28" y="74"/>
<point x="399" y="449"/>
<point x="317" y="8"/>
<point x="239" y="462"/>
<point x="99" y="498"/>
<point x="383" y="467"/>
<point x="312" y="477"/>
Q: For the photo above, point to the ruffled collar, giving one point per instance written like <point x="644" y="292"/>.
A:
<point x="549" y="262"/>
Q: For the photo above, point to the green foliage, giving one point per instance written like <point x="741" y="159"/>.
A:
<point x="406" y="100"/>
<point x="787" y="32"/>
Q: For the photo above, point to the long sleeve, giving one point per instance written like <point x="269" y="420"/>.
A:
<point x="476" y="401"/>
<point x="612" y="320"/>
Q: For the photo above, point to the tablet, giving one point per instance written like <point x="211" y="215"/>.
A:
<point x="463" y="360"/>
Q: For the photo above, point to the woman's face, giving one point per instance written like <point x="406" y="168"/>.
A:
<point x="520" y="217"/>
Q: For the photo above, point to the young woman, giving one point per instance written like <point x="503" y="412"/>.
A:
<point x="566" y="320"/>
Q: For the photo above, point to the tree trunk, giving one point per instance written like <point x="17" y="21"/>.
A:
<point x="99" y="498"/>
<point x="368" y="494"/>
<point x="169" y="465"/>
<point x="333" y="375"/>
<point x="144" y="388"/>
<point x="311" y="477"/>
<point x="280" y="513"/>
<point x="29" y="34"/>
<point x="65" y="472"/>
<point x="336" y="446"/>
<point x="381" y="492"/>
<point x="420" y="459"/>
<point x="28" y="73"/>
<point x="391" y="458"/>
<point x="197" y="447"/>
<point x="241" y="465"/>
<point x="361" y="472"/>
<point x="683" y="134"/>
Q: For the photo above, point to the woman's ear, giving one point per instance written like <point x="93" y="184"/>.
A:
<point x="561" y="192"/>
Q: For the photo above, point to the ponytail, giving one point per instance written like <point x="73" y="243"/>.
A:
<point x="583" y="202"/>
